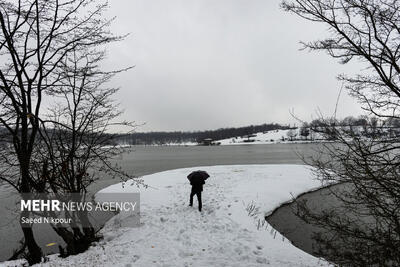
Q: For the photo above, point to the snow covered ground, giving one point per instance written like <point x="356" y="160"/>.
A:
<point x="272" y="137"/>
<point x="223" y="234"/>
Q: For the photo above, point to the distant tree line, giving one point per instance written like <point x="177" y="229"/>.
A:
<point x="391" y="125"/>
<point x="152" y="138"/>
<point x="362" y="126"/>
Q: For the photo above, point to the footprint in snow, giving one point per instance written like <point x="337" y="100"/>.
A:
<point x="185" y="254"/>
<point x="135" y="258"/>
<point x="262" y="260"/>
<point x="257" y="252"/>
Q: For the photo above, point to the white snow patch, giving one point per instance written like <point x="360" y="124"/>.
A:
<point x="273" y="137"/>
<point x="223" y="234"/>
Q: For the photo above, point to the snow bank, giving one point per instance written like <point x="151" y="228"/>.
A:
<point x="174" y="234"/>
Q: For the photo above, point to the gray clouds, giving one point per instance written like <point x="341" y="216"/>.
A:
<point x="211" y="64"/>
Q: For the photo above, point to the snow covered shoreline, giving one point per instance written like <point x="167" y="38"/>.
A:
<point x="173" y="234"/>
<point x="261" y="138"/>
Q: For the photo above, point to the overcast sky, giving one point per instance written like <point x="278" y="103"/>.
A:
<point x="208" y="64"/>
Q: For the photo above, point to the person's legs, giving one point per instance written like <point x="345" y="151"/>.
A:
<point x="199" y="200"/>
<point x="191" y="198"/>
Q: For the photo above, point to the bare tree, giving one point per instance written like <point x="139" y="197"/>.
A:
<point x="36" y="37"/>
<point x="304" y="130"/>
<point x="76" y="146"/>
<point x="292" y="133"/>
<point x="365" y="231"/>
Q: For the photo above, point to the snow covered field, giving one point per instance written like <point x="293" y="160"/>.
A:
<point x="269" y="137"/>
<point x="223" y="234"/>
<point x="272" y="137"/>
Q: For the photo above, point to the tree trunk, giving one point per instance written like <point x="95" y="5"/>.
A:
<point x="35" y="253"/>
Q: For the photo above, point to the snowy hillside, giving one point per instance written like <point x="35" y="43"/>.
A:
<point x="223" y="234"/>
<point x="272" y="137"/>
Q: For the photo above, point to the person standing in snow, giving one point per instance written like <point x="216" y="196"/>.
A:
<point x="197" y="188"/>
<point x="197" y="180"/>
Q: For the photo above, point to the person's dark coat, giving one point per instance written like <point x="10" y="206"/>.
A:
<point x="197" y="185"/>
<point x="197" y="188"/>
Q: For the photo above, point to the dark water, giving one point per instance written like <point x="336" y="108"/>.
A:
<point x="302" y="234"/>
<point x="285" y="221"/>
<point x="146" y="160"/>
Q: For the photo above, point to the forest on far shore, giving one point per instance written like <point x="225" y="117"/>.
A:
<point x="179" y="137"/>
<point x="159" y="138"/>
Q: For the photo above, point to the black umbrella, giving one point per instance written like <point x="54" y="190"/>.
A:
<point x="198" y="175"/>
